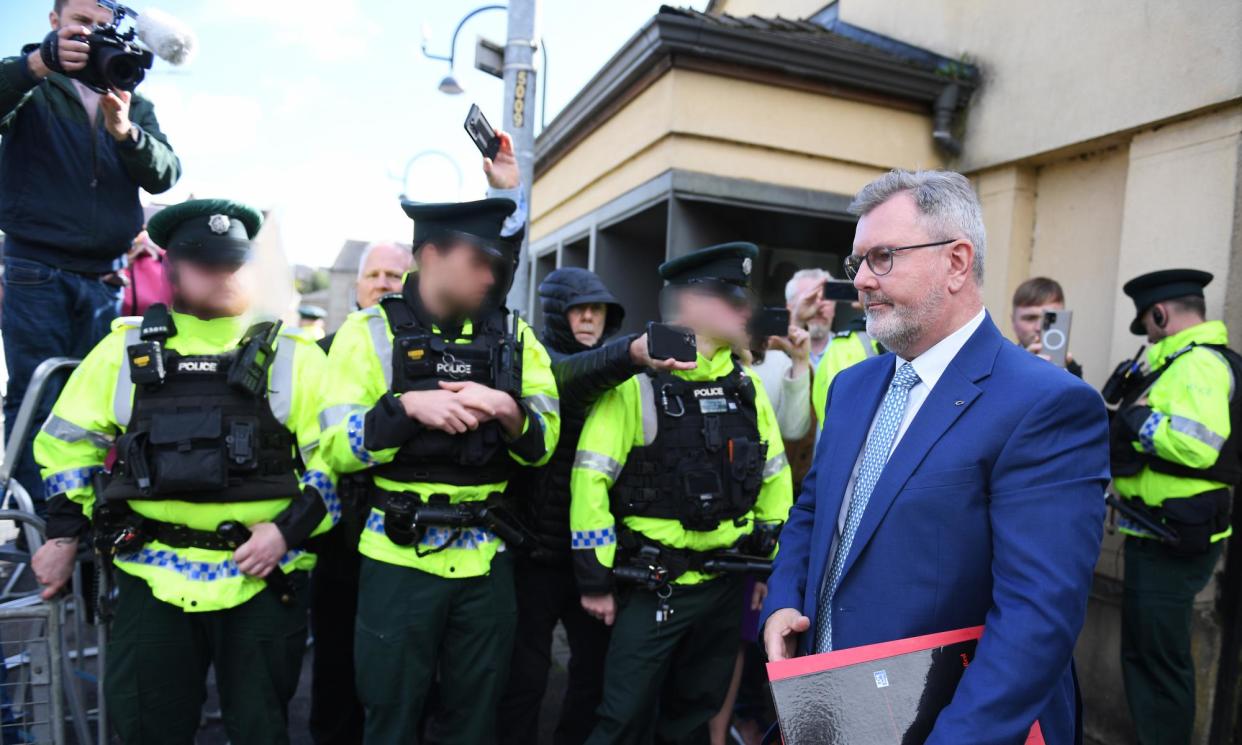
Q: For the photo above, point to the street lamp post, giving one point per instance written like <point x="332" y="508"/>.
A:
<point x="409" y="166"/>
<point x="519" y="103"/>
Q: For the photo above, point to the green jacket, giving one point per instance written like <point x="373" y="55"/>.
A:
<point x="615" y="426"/>
<point x="94" y="408"/>
<point x="68" y="191"/>
<point x="358" y="365"/>
<point x="1188" y="421"/>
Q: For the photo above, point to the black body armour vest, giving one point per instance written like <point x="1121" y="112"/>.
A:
<point x="1228" y="466"/>
<point x="197" y="432"/>
<point x="706" y="462"/>
<point x="421" y="358"/>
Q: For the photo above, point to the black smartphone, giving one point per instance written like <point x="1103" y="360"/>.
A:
<point x="770" y="322"/>
<point x="665" y="342"/>
<point x="840" y="290"/>
<point x="481" y="132"/>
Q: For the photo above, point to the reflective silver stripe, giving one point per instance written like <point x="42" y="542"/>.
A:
<point x="123" y="397"/>
<point x="334" y="415"/>
<point x="280" y="382"/>
<point x="646" y="401"/>
<point x="597" y="462"/>
<point x="380" y="341"/>
<point x="868" y="346"/>
<point x="541" y="404"/>
<point x="308" y="450"/>
<point x="66" y="431"/>
<point x="774" y="465"/>
<point x="1191" y="428"/>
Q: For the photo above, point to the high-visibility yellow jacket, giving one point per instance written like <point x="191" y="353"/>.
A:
<point x="614" y="426"/>
<point x="1188" y="421"/>
<point x="95" y="407"/>
<point x="844" y="349"/>
<point x="359" y="368"/>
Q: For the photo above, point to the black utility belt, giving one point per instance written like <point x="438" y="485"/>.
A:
<point x="131" y="532"/>
<point x="407" y="516"/>
<point x="1185" y="524"/>
<point x="653" y="565"/>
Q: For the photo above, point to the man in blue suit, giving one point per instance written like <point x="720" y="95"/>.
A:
<point x="959" y="481"/>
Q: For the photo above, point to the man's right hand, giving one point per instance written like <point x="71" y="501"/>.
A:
<point x="781" y="632"/>
<point x="440" y="410"/>
<point x="73" y="53"/>
<point x="603" y="607"/>
<point x="53" y="565"/>
<point x="639" y="356"/>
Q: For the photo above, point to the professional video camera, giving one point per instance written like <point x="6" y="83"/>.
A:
<point x="119" y="59"/>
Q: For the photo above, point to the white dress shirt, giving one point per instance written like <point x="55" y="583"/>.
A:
<point x="930" y="366"/>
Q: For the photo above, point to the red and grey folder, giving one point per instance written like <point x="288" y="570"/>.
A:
<point x="880" y="694"/>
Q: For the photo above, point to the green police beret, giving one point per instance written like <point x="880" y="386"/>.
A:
<point x="1148" y="289"/>
<point x="726" y="266"/>
<point x="208" y="231"/>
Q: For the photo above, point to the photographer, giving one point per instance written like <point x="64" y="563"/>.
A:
<point x="71" y="163"/>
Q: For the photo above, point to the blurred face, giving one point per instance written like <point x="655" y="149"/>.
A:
<point x="906" y="304"/>
<point x="381" y="275"/>
<point x="819" y="322"/>
<point x="1028" y="321"/>
<point x="586" y="321"/>
<point x="81" y="13"/>
<point x="458" y="278"/>
<point x="211" y="291"/>
<point x="716" y="317"/>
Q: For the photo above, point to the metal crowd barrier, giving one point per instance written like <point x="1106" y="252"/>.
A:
<point x="53" y="651"/>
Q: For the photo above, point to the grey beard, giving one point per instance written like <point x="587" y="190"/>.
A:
<point x="904" y="325"/>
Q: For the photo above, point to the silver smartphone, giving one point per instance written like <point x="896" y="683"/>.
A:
<point x="1055" y="333"/>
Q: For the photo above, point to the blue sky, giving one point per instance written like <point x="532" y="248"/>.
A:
<point x="313" y="107"/>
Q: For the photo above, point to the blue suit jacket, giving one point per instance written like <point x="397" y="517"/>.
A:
<point x="990" y="511"/>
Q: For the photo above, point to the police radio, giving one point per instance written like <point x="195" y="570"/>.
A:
<point x="507" y="360"/>
<point x="1123" y="380"/>
<point x="258" y="348"/>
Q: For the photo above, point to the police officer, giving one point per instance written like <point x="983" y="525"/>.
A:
<point x="440" y="394"/>
<point x="674" y="472"/>
<point x="847" y="347"/>
<point x="203" y="514"/>
<point x="1175" y="458"/>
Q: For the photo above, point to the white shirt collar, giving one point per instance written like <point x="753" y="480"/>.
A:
<point x="931" y="364"/>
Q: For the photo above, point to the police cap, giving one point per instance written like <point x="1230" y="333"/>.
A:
<point x="477" y="222"/>
<point x="207" y="231"/>
<point x="725" y="268"/>
<point x="1148" y="289"/>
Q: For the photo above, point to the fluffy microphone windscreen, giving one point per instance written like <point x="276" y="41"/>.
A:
<point x="170" y="39"/>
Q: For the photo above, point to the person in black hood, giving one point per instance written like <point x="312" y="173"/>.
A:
<point x="581" y="319"/>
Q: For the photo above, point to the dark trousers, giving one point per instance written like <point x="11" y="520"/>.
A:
<point x="1156" y="662"/>
<point x="47" y="313"/>
<point x="410" y="624"/>
<point x="663" y="682"/>
<point x="547" y="594"/>
<point x="336" y="714"/>
<point x="159" y="655"/>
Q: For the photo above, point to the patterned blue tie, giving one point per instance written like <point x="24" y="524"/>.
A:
<point x="875" y="455"/>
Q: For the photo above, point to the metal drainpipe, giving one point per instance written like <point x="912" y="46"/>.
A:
<point x="942" y="122"/>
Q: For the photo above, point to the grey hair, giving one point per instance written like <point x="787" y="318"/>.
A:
<point x="366" y="253"/>
<point x="815" y="273"/>
<point x="945" y="199"/>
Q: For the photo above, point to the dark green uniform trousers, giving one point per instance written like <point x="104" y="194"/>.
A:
<point x="664" y="681"/>
<point x="411" y="624"/>
<point x="1156" y="663"/>
<point x="158" y="658"/>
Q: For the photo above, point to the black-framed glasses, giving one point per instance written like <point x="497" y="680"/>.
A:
<point x="880" y="258"/>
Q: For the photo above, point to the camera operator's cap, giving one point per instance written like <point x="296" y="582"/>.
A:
<point x="724" y="268"/>
<point x="207" y="231"/>
<point x="1168" y="284"/>
<point x="476" y="222"/>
